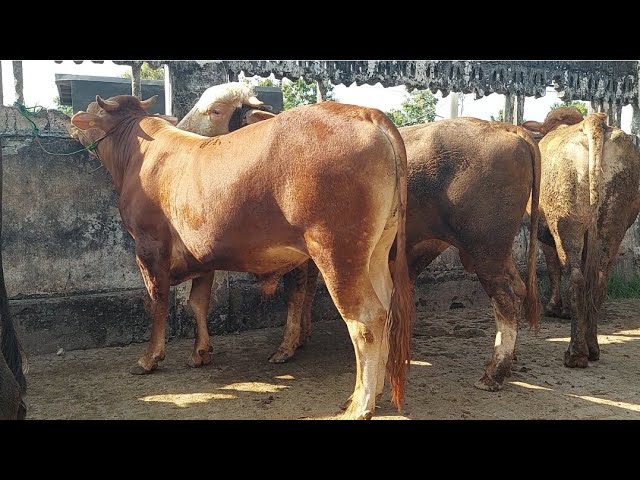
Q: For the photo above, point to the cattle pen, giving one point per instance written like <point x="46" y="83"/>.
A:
<point x="78" y="301"/>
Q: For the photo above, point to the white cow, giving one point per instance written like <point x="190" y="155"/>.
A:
<point x="589" y="197"/>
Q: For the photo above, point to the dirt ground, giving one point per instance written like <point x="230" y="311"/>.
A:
<point x="450" y="349"/>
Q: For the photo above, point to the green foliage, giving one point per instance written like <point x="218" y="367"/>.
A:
<point x="618" y="287"/>
<point x="268" y="82"/>
<point x="574" y="103"/>
<point x="299" y="93"/>
<point x="499" y="118"/>
<point x="66" y="109"/>
<point x="295" y="93"/>
<point x="420" y="107"/>
<point x="148" y="73"/>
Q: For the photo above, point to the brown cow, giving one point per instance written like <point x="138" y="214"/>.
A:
<point x="589" y="197"/>
<point x="325" y="182"/>
<point x="468" y="186"/>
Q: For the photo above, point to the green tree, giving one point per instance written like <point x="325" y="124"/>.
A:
<point x="573" y="103"/>
<point x="295" y="93"/>
<point x="66" y="109"/>
<point x="420" y="107"/>
<point x="148" y="73"/>
<point x="299" y="93"/>
<point x="499" y="118"/>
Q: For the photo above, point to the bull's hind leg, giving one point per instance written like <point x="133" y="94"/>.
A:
<point x="155" y="273"/>
<point x="300" y="288"/>
<point x="295" y="283"/>
<point x="569" y="240"/>
<point x="312" y="283"/>
<point x="554" y="307"/>
<point x="351" y="289"/>
<point x="503" y="284"/>
<point x="199" y="299"/>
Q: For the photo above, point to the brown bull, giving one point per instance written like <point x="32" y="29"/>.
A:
<point x="589" y="197"/>
<point x="468" y="186"/>
<point x="325" y="182"/>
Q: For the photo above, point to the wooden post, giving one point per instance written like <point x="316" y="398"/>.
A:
<point x="617" y="114"/>
<point x="18" y="82"/>
<point x="321" y="91"/>
<point x="508" y="108"/>
<point x="136" y="81"/>
<point x="453" y="112"/>
<point x="635" y="121"/>
<point x="167" y="90"/>
<point x="519" y="109"/>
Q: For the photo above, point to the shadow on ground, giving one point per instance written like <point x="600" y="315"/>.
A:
<point x="450" y="348"/>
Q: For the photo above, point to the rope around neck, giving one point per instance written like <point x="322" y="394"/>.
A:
<point x="28" y="112"/>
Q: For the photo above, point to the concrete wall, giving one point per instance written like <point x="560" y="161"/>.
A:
<point x="70" y="269"/>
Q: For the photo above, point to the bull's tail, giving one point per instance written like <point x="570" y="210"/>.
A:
<point x="595" y="126"/>
<point x="532" y="302"/>
<point x="401" y="314"/>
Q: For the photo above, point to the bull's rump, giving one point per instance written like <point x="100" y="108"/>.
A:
<point x="252" y="200"/>
<point x="468" y="178"/>
<point x="564" y="189"/>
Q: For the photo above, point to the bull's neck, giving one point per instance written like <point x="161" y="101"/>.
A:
<point x="120" y="150"/>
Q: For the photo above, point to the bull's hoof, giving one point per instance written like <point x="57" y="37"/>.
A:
<point x="280" y="356"/>
<point x="138" y="369"/>
<point x="594" y="354"/>
<point x="349" y="415"/>
<point x="575" y="361"/>
<point x="200" y="358"/>
<point x="488" y="384"/>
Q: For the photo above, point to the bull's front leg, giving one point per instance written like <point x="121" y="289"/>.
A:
<point x="155" y="273"/>
<point x="199" y="299"/>
<point x="295" y="283"/>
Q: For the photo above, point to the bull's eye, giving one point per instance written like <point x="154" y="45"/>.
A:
<point x="216" y="111"/>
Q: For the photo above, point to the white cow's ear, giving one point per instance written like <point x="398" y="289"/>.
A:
<point x="532" y="126"/>
<point x="255" y="116"/>
<point x="85" y="121"/>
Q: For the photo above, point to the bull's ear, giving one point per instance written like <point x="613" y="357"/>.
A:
<point x="255" y="116"/>
<point x="85" y="121"/>
<point x="172" y="120"/>
<point x="532" y="126"/>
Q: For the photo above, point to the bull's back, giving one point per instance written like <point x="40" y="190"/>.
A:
<point x="332" y="157"/>
<point x="328" y="166"/>
<point x="466" y="176"/>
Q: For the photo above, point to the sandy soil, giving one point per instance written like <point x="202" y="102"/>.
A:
<point x="450" y="349"/>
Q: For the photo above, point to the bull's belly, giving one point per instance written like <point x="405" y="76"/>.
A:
<point x="273" y="260"/>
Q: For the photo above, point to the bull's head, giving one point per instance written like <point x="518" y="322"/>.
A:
<point x="102" y="116"/>
<point x="223" y="108"/>
<point x="561" y="116"/>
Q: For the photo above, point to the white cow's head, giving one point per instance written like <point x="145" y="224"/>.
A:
<point x="211" y="115"/>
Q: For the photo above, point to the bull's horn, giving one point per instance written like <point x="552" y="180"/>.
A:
<point x="106" y="105"/>
<point x="146" y="104"/>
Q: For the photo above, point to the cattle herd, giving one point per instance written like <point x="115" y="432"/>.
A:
<point x="337" y="189"/>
